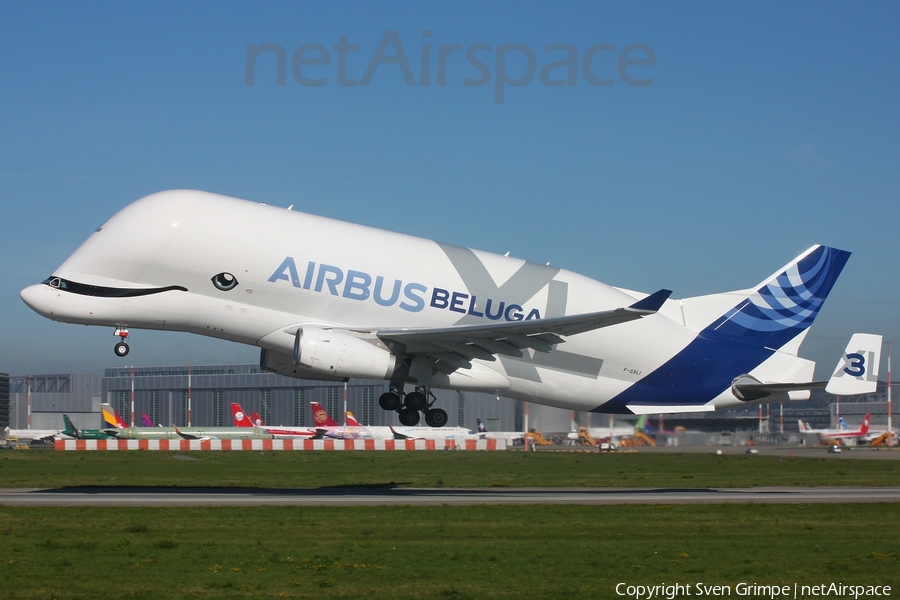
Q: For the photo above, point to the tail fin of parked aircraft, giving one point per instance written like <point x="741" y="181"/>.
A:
<point x="111" y="419"/>
<point x="842" y="424"/>
<point x="70" y="429"/>
<point x="481" y="427"/>
<point x="240" y="417"/>
<point x="351" y="420"/>
<point x="146" y="420"/>
<point x="257" y="420"/>
<point x="321" y="416"/>
<point x="641" y="424"/>
<point x="857" y="371"/>
<point x="864" y="428"/>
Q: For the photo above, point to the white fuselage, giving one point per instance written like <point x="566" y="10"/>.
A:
<point x="298" y="270"/>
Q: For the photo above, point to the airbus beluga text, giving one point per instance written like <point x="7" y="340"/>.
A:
<point x="329" y="300"/>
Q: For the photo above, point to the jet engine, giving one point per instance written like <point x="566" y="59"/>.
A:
<point x="339" y="354"/>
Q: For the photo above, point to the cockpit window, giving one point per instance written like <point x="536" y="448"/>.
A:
<point x="86" y="289"/>
<point x="55" y="282"/>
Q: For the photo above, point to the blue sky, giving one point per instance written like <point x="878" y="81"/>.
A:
<point x="768" y="127"/>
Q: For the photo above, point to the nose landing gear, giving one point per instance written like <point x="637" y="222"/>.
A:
<point x="409" y="405"/>
<point x="121" y="349"/>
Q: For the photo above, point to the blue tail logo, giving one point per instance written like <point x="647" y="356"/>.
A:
<point x="772" y="315"/>
<point x="786" y="304"/>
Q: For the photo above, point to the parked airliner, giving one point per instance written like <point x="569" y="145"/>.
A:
<point x="329" y="300"/>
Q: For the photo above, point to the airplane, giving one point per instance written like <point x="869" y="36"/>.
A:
<point x="805" y="428"/>
<point x="83" y="434"/>
<point x="841" y="435"/>
<point x="31" y="435"/>
<point x="510" y="436"/>
<point x="188" y="433"/>
<point x="326" y="427"/>
<point x="329" y="300"/>
<point x="222" y="433"/>
<point x="350" y="419"/>
<point x="356" y="432"/>
<point x="109" y="415"/>
<point x="403" y="432"/>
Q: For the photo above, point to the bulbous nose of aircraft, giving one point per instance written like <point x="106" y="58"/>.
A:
<point x="39" y="298"/>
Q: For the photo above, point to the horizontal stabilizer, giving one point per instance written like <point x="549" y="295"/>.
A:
<point x="749" y="388"/>
<point x="856" y="373"/>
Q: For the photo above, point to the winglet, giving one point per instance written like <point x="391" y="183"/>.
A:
<point x="651" y="303"/>
<point x="398" y="435"/>
<point x="186" y="436"/>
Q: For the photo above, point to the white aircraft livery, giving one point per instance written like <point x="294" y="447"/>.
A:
<point x="325" y="299"/>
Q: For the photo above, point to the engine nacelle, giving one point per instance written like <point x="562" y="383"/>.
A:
<point x="342" y="355"/>
<point x="283" y="364"/>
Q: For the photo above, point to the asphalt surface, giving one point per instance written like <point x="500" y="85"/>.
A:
<point x="385" y="495"/>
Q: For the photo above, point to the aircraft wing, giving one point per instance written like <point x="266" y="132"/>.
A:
<point x="456" y="346"/>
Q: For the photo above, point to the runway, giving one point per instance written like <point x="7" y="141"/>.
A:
<point x="391" y="495"/>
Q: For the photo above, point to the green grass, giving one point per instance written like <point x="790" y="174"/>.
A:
<point x="47" y="468"/>
<point x="437" y="552"/>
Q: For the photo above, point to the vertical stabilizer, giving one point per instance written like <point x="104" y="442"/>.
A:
<point x="321" y="416"/>
<point x="785" y="304"/>
<point x="70" y="429"/>
<point x="240" y="417"/>
<point x="110" y="418"/>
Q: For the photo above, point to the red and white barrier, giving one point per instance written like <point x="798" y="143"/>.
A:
<point x="279" y="444"/>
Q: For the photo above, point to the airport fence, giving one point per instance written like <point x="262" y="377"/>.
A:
<point x="277" y="445"/>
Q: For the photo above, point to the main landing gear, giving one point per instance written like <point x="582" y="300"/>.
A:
<point x="409" y="405"/>
<point x="121" y="349"/>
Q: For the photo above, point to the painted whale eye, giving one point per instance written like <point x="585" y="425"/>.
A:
<point x="224" y="281"/>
